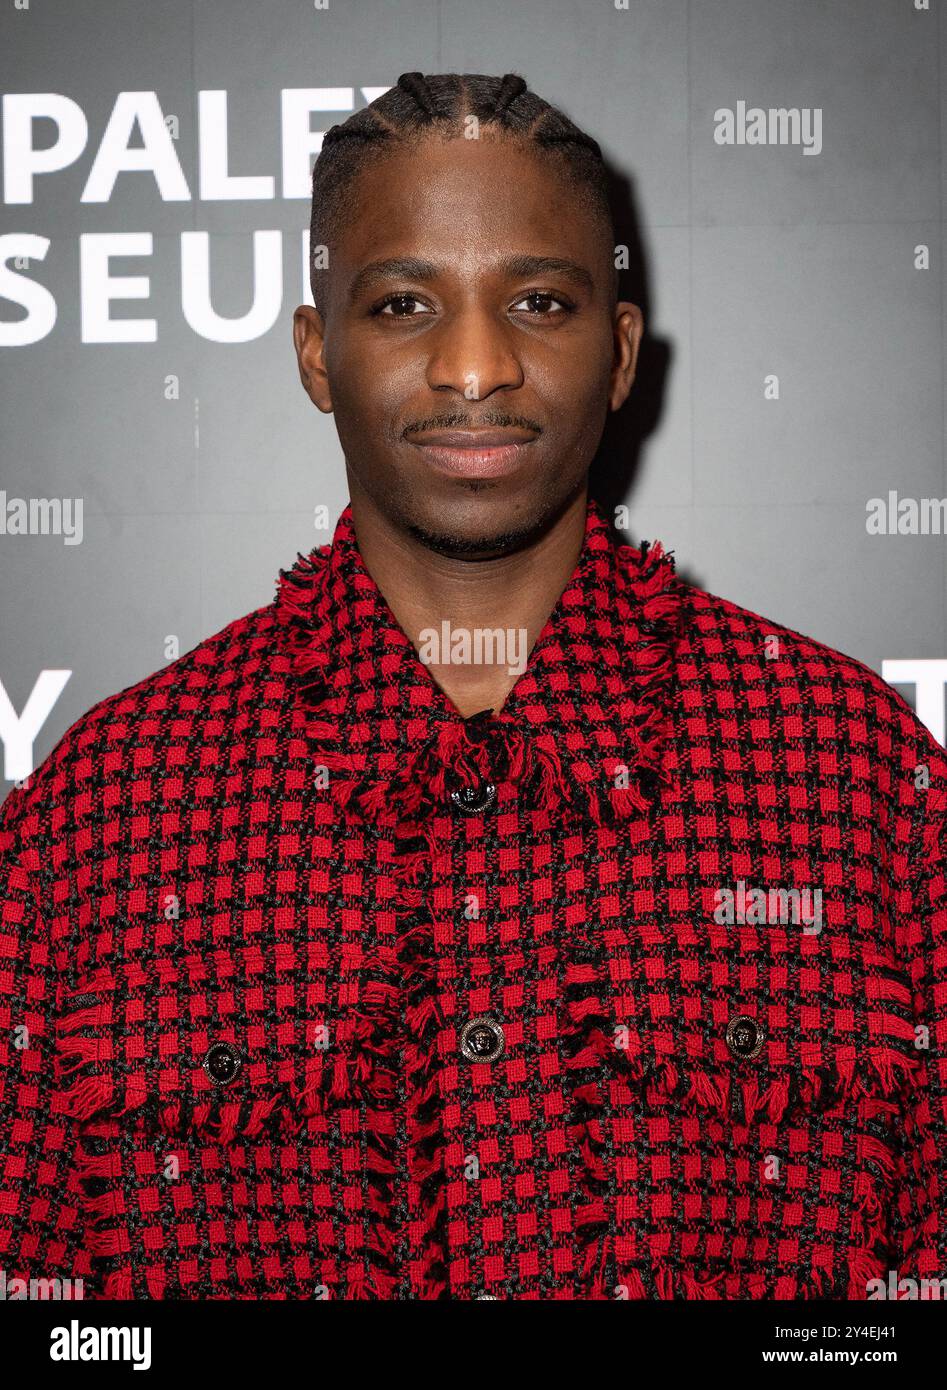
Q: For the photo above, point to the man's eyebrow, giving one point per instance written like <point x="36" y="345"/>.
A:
<point x="530" y="267"/>
<point x="514" y="267"/>
<point x="394" y="268"/>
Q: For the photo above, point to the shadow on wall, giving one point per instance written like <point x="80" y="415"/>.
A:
<point x="617" y="464"/>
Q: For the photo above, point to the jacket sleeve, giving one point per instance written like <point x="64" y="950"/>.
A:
<point x="41" y="1226"/>
<point x="919" y="1225"/>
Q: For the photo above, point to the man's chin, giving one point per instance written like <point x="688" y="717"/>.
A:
<point x="482" y="529"/>
<point x="484" y="547"/>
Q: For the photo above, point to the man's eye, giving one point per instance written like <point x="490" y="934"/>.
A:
<point x="403" y="306"/>
<point x="544" y="298"/>
<point x="398" y="300"/>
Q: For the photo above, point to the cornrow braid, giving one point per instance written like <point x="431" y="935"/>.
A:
<point x="415" y="85"/>
<point x="444" y="102"/>
<point x="510" y="88"/>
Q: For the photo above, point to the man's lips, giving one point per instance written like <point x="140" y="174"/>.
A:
<point x="476" y="453"/>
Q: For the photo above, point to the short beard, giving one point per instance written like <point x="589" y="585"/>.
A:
<point x="489" y="547"/>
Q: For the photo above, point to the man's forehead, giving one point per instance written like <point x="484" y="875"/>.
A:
<point x="485" y="178"/>
<point x="456" y="209"/>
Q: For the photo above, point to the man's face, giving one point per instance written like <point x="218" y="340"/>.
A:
<point x="463" y="337"/>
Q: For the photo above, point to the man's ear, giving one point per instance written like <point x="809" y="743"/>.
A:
<point x="629" y="330"/>
<point x="309" y="341"/>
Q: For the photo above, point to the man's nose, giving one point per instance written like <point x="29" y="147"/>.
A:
<point x="475" y="353"/>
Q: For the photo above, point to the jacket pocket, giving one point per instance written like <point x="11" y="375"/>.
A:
<point x="736" y="1112"/>
<point x="187" y="1104"/>
<point x="115" y="1061"/>
<point x="754" y="1031"/>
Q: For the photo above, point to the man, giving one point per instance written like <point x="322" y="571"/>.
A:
<point x="493" y="915"/>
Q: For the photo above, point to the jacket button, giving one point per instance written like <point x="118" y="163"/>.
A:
<point x="473" y="801"/>
<point x="222" y="1063"/>
<point x="745" y="1037"/>
<point x="481" y="1040"/>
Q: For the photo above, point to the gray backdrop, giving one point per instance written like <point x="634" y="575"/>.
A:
<point x="757" y="261"/>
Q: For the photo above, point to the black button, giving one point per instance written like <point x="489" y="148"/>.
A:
<point x="481" y="1040"/>
<point x="222" y="1063"/>
<point x="473" y="801"/>
<point x="745" y="1037"/>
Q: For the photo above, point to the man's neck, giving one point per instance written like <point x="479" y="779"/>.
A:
<point x="514" y="594"/>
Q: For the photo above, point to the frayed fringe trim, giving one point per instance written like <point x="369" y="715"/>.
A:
<point x="108" y="1243"/>
<point x="92" y="1083"/>
<point x="86" y="1097"/>
<point x="375" y="1285"/>
<point x="220" y="1121"/>
<point x="366" y="1071"/>
<point x="86" y="1056"/>
<point x="583" y="1027"/>
<point x="607" y="790"/>
<point x="658" y="1281"/>
<point x="652" y="650"/>
<point x="606" y="793"/>
<point x="741" y="1095"/>
<point x="119" y="1285"/>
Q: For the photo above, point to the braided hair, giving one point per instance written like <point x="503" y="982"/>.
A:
<point x="442" y="103"/>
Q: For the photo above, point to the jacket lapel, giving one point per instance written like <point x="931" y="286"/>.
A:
<point x="586" y="725"/>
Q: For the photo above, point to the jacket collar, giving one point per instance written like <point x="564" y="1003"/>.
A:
<point x="587" y="722"/>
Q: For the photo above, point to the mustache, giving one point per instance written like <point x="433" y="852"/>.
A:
<point x="459" y="420"/>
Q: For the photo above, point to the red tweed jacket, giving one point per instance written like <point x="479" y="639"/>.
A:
<point x="310" y="988"/>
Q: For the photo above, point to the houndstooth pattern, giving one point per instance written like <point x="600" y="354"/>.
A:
<point x="256" y="846"/>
